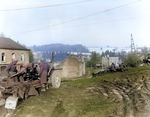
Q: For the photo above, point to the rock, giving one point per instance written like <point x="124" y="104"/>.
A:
<point x="11" y="102"/>
<point x="2" y="102"/>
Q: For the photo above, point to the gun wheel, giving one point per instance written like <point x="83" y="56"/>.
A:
<point x="56" y="80"/>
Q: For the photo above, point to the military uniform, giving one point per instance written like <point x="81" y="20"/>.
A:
<point x="113" y="67"/>
<point x="44" y="68"/>
<point x="11" y="69"/>
<point x="22" y="89"/>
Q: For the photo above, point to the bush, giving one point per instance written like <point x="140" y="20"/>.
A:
<point x="132" y="60"/>
<point x="90" y="64"/>
<point x="31" y="59"/>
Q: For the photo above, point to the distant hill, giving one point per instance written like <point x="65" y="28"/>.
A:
<point x="60" y="47"/>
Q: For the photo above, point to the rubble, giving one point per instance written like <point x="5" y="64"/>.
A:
<point x="2" y="102"/>
<point x="11" y="102"/>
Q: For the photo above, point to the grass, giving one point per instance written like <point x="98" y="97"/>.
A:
<point x="66" y="102"/>
<point x="73" y="99"/>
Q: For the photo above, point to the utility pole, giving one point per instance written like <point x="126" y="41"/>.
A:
<point x="132" y="45"/>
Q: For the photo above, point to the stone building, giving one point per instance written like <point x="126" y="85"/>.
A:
<point x="73" y="67"/>
<point x="9" y="49"/>
<point x="107" y="61"/>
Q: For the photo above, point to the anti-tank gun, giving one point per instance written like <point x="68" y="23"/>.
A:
<point x="28" y="80"/>
<point x="54" y="78"/>
<point x="53" y="75"/>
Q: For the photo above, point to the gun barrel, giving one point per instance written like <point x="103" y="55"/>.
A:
<point x="15" y="74"/>
<point x="58" y="68"/>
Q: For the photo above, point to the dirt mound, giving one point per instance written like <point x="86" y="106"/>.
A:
<point x="134" y="97"/>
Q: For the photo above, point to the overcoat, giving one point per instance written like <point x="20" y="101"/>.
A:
<point x="44" y="68"/>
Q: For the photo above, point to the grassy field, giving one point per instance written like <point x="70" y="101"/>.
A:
<point x="79" y="98"/>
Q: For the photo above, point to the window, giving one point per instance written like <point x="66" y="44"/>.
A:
<point x="22" y="57"/>
<point x="3" y="56"/>
<point x="13" y="55"/>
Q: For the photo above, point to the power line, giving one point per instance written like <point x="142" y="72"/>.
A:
<point x="45" y="6"/>
<point x="79" y="18"/>
<point x="105" y="22"/>
<point x="90" y="23"/>
<point x="101" y="22"/>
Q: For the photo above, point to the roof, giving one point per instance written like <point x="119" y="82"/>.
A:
<point x="7" y="43"/>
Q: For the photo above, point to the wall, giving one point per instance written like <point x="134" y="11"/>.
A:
<point x="72" y="67"/>
<point x="107" y="61"/>
<point x="8" y="54"/>
<point x="114" y="60"/>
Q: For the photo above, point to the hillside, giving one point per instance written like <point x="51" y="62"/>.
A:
<point x="120" y="94"/>
<point x="60" y="47"/>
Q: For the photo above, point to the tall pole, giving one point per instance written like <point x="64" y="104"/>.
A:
<point x="132" y="45"/>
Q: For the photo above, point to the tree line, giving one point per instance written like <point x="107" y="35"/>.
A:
<point x="130" y="59"/>
<point x="60" y="48"/>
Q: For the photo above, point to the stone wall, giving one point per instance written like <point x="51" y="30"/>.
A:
<point x="72" y="67"/>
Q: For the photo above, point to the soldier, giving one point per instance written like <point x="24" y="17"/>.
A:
<point x="148" y="59"/>
<point x="44" y="68"/>
<point x="34" y="71"/>
<point x="22" y="72"/>
<point x="113" y="67"/>
<point x="122" y="65"/>
<point x="24" y="89"/>
<point x="11" y="69"/>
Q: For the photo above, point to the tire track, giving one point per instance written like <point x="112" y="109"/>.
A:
<point x="134" y="97"/>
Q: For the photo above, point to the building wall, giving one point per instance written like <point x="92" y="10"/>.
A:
<point x="107" y="61"/>
<point x="8" y="55"/>
<point x="81" y="65"/>
<point x="3" y="70"/>
<point x="114" y="60"/>
<point x="8" y="58"/>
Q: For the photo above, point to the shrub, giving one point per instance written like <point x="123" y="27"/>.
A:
<point x="90" y="64"/>
<point x="132" y="60"/>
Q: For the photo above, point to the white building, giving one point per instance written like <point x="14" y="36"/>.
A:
<point x="107" y="61"/>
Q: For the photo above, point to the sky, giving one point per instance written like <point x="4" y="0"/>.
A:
<point x="88" y="22"/>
